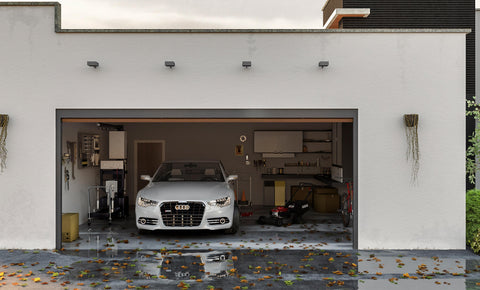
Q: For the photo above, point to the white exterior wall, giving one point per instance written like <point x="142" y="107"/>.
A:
<point x="383" y="75"/>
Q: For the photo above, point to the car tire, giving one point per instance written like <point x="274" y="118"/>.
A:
<point x="235" y="222"/>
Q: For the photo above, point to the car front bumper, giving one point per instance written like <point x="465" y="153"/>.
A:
<point x="154" y="218"/>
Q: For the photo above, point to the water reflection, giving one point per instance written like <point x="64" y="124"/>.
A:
<point x="179" y="266"/>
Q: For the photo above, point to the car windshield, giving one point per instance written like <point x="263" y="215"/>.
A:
<point x="189" y="171"/>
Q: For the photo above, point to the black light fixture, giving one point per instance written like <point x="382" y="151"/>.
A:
<point x="92" y="63"/>
<point x="246" y="63"/>
<point x="323" y="63"/>
<point x="169" y="63"/>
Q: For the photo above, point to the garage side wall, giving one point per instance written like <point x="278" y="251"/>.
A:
<point x="383" y="75"/>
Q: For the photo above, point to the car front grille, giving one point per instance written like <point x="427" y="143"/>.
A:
<point x="191" y="217"/>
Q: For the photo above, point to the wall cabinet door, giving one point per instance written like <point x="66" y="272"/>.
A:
<point x="278" y="141"/>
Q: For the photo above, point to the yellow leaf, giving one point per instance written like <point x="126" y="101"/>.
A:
<point x="406" y="275"/>
<point x="37" y="280"/>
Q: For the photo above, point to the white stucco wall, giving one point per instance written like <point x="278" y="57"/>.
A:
<point x="383" y="75"/>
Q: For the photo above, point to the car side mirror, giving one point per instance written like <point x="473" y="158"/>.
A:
<point x="232" y="178"/>
<point x="145" y="177"/>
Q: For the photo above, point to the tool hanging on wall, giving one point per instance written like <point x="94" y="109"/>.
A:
<point x="3" y="141"/>
<point x="67" y="179"/>
<point x="66" y="174"/>
<point x="72" y="151"/>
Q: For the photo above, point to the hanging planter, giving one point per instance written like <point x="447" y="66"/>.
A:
<point x="3" y="141"/>
<point x="413" y="152"/>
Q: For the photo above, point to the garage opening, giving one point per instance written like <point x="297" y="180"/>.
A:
<point x="279" y="156"/>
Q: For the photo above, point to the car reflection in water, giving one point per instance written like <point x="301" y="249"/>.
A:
<point x="183" y="266"/>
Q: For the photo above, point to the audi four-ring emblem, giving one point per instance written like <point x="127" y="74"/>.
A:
<point x="182" y="207"/>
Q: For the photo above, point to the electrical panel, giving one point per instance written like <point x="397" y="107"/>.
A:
<point x="89" y="153"/>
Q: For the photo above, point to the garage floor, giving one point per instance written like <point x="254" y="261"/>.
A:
<point x="320" y="231"/>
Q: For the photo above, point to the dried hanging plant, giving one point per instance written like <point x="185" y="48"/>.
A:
<point x="413" y="152"/>
<point x="3" y="141"/>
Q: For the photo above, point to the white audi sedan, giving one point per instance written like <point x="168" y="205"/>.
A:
<point x="188" y="195"/>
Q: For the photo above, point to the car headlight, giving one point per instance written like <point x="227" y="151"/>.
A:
<point x="145" y="202"/>
<point x="221" y="202"/>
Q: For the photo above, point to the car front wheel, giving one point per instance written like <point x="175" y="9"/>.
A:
<point x="235" y="221"/>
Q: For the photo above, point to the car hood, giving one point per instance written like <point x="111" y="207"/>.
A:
<point x="185" y="191"/>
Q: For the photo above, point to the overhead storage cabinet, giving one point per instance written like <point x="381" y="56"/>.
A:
<point x="278" y="141"/>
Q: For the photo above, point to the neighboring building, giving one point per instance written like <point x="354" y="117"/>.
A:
<point x="200" y="107"/>
<point x="395" y="14"/>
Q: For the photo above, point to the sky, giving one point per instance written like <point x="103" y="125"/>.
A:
<point x="192" y="14"/>
<point x="195" y="14"/>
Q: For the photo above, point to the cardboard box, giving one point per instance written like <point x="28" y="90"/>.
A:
<point x="69" y="227"/>
<point x="326" y="200"/>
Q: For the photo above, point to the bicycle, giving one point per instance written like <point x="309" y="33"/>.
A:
<point x="347" y="207"/>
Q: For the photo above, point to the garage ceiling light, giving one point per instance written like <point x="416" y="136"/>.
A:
<point x="170" y="63"/>
<point x="92" y="63"/>
<point x="323" y="63"/>
<point x="246" y="63"/>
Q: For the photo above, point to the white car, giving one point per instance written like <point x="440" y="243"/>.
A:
<point x="188" y="195"/>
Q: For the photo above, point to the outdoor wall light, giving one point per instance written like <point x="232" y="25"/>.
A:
<point x="92" y="63"/>
<point x="323" y="63"/>
<point x="170" y="63"/>
<point x="246" y="63"/>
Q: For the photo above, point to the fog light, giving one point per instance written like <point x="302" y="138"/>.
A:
<point x="142" y="221"/>
<point x="222" y="221"/>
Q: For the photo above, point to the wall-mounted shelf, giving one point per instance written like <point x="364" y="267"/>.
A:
<point x="300" y="165"/>
<point x="317" y="141"/>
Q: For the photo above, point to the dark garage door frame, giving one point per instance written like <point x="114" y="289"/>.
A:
<point x="299" y="114"/>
